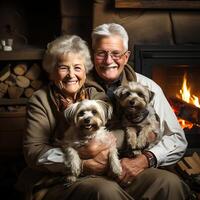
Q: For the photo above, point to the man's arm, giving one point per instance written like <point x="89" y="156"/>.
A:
<point x="173" y="143"/>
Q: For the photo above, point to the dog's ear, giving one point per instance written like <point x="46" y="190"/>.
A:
<point x="107" y="107"/>
<point x="118" y="91"/>
<point x="69" y="112"/>
<point x="151" y="95"/>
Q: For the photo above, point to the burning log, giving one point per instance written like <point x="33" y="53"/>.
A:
<point x="185" y="110"/>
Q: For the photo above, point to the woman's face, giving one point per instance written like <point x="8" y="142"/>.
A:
<point x="69" y="74"/>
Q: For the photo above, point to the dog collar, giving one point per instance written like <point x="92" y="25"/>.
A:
<point x="138" y="118"/>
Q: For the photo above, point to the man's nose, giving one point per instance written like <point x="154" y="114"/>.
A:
<point x="108" y="59"/>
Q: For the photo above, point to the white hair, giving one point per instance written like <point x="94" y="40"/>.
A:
<point x="110" y="30"/>
<point x="63" y="45"/>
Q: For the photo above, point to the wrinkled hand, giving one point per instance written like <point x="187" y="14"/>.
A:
<point x="151" y="137"/>
<point x="95" y="155"/>
<point x="131" y="167"/>
<point x="98" y="165"/>
<point x="94" y="147"/>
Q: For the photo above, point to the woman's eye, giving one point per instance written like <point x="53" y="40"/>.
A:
<point x="62" y="68"/>
<point x="78" y="67"/>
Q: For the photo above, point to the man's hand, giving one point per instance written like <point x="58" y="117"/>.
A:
<point x="151" y="137"/>
<point x="131" y="167"/>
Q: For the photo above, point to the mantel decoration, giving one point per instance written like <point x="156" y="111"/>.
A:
<point x="158" y="4"/>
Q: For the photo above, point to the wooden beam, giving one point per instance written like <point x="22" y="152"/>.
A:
<point x="157" y="4"/>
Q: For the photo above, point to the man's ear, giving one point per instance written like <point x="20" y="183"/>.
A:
<point x="127" y="55"/>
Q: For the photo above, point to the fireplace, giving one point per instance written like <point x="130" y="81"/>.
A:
<point x="172" y="67"/>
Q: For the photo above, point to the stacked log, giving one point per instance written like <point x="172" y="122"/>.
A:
<point x="190" y="164"/>
<point x="20" y="80"/>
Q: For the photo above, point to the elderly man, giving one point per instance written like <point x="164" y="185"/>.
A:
<point x="141" y="177"/>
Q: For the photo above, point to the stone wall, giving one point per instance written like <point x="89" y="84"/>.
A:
<point x="143" y="26"/>
<point x="151" y="27"/>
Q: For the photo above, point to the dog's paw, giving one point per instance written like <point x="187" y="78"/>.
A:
<point x="131" y="137"/>
<point x="75" y="166"/>
<point x="115" y="164"/>
<point x="116" y="170"/>
<point x="73" y="162"/>
<point x="142" y="139"/>
<point x="137" y="152"/>
<point x="70" y="179"/>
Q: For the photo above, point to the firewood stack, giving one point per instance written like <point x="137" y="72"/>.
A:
<point x="20" y="80"/>
<point x="190" y="164"/>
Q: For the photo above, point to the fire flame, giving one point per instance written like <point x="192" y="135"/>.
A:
<point x="186" y="96"/>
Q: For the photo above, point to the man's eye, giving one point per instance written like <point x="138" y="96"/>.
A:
<point x="116" y="54"/>
<point x="101" y="53"/>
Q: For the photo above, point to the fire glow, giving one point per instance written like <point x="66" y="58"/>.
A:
<point x="186" y="96"/>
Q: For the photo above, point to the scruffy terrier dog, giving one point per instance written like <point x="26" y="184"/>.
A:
<point x="138" y="116"/>
<point x="87" y="120"/>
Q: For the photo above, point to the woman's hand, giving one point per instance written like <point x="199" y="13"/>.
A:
<point x="94" y="147"/>
<point x="131" y="167"/>
<point x="95" y="155"/>
<point x="98" y="165"/>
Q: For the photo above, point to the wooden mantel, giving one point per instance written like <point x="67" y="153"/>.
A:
<point x="157" y="4"/>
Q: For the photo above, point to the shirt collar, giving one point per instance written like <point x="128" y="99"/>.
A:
<point x="103" y="83"/>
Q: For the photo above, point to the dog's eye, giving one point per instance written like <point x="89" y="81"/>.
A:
<point x="81" y="114"/>
<point x="127" y="94"/>
<point x="140" y="94"/>
<point x="94" y="112"/>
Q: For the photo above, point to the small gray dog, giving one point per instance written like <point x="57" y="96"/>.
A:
<point x="138" y="116"/>
<point x="87" y="120"/>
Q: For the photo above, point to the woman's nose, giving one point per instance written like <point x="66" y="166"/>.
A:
<point x="70" y="73"/>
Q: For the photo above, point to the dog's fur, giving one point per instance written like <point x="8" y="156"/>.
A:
<point x="87" y="120"/>
<point x="138" y="116"/>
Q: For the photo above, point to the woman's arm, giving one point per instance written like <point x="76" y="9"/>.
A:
<point x="37" y="145"/>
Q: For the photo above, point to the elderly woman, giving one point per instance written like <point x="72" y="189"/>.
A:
<point x="67" y="60"/>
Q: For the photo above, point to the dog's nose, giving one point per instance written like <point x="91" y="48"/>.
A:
<point x="87" y="120"/>
<point x="132" y="102"/>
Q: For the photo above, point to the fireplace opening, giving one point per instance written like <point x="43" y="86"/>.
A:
<point x="177" y="70"/>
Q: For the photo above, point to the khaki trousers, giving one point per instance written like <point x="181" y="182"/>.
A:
<point x="155" y="184"/>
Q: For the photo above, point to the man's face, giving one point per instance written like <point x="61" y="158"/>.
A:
<point x="110" y="57"/>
